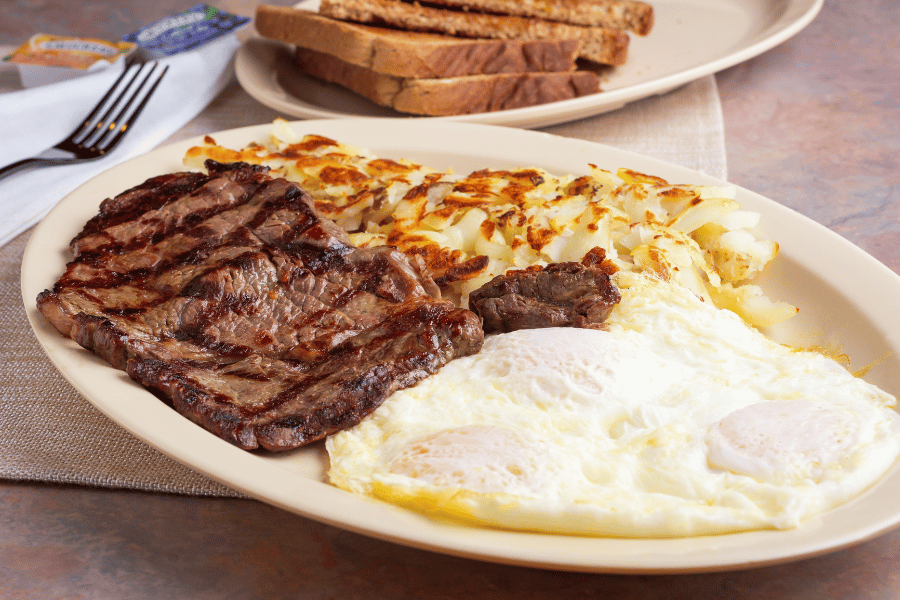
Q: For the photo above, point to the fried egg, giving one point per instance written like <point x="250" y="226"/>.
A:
<point x="677" y="420"/>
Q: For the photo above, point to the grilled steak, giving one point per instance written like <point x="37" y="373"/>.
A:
<point x="231" y="298"/>
<point x="566" y="294"/>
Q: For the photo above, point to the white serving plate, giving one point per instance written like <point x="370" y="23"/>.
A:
<point x="838" y="287"/>
<point x="690" y="39"/>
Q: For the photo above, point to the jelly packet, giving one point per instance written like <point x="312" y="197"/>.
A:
<point x="197" y="25"/>
<point x="47" y="58"/>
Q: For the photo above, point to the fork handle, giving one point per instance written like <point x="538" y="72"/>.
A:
<point x="17" y="166"/>
<point x="27" y="163"/>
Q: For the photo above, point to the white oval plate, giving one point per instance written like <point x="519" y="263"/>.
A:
<point x="838" y="287"/>
<point x="690" y="39"/>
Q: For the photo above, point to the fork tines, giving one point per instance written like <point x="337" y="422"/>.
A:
<point x="119" y="108"/>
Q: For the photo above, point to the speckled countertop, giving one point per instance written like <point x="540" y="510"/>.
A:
<point x="813" y="124"/>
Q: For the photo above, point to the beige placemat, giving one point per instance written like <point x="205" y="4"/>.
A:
<point x="684" y="127"/>
<point x="48" y="432"/>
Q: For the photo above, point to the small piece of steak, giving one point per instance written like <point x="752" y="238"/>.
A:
<point x="565" y="294"/>
<point x="231" y="298"/>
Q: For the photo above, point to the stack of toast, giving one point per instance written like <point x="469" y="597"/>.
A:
<point x="453" y="57"/>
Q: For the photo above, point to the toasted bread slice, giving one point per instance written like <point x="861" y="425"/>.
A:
<point x="412" y="54"/>
<point x="598" y="44"/>
<point x="467" y="94"/>
<point x="629" y="15"/>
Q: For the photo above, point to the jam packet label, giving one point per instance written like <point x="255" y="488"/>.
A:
<point x="197" y="25"/>
<point x="47" y="50"/>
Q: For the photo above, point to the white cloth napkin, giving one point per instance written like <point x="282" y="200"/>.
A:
<point x="35" y="119"/>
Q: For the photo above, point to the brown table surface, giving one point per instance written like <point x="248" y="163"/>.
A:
<point x="813" y="124"/>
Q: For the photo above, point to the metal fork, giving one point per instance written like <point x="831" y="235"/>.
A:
<point x="103" y="129"/>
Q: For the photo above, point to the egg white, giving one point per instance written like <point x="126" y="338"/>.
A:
<point x="679" y="420"/>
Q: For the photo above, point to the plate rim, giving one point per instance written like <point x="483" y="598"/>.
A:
<point x="208" y="454"/>
<point x="796" y="15"/>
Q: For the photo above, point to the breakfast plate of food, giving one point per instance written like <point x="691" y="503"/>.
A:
<point x="353" y="62"/>
<point x="440" y="334"/>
